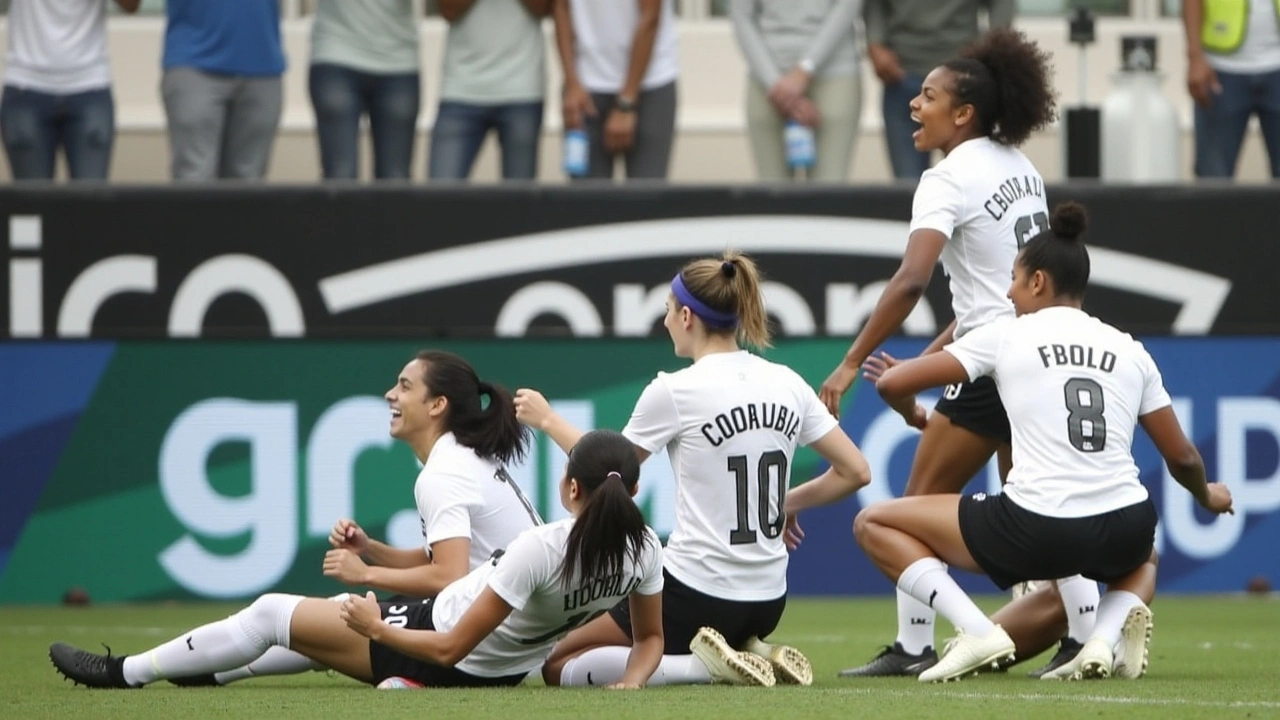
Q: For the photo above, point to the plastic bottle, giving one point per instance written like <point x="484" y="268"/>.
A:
<point x="800" y="144"/>
<point x="576" y="151"/>
<point x="1141" y="135"/>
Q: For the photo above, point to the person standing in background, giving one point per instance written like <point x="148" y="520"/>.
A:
<point x="364" y="61"/>
<point x="494" y="78"/>
<point x="222" y="87"/>
<point x="620" y="65"/>
<point x="803" y="59"/>
<point x="906" y="39"/>
<point x="57" y="89"/>
<point x="1233" y="72"/>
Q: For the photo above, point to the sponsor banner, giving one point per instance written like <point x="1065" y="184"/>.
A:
<point x="128" y="263"/>
<point x="144" y="471"/>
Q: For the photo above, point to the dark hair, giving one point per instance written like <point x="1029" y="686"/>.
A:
<point x="1007" y="80"/>
<point x="1058" y="251"/>
<point x="609" y="528"/>
<point x="493" y="432"/>
<point x="731" y="284"/>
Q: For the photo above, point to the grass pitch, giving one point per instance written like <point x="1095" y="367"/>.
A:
<point x="1213" y="657"/>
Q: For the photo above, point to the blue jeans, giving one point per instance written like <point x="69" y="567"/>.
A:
<point x="35" y="124"/>
<point x="341" y="96"/>
<point x="908" y="163"/>
<point x="460" y="130"/>
<point x="1220" y="127"/>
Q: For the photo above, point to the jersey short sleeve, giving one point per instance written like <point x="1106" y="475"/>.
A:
<point x="816" y="420"/>
<point x="446" y="503"/>
<point x="979" y="349"/>
<point x="1154" y="395"/>
<point x="522" y="569"/>
<point x="938" y="203"/>
<point x="654" y="421"/>
<point x="651" y="581"/>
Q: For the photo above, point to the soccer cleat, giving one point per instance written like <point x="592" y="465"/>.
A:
<point x="1094" y="661"/>
<point x="790" y="666"/>
<point x="1067" y="651"/>
<point x="968" y="654"/>
<point x="88" y="669"/>
<point x="894" y="661"/>
<point x="196" y="681"/>
<point x="1026" y="587"/>
<point x="1132" y="652"/>
<point x="727" y="665"/>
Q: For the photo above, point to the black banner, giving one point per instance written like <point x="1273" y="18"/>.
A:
<point x="139" y="262"/>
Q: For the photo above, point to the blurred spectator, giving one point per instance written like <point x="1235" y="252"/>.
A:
<point x="620" y="64"/>
<point x="905" y="40"/>
<point x="57" y="89"/>
<point x="221" y="86"/>
<point x="803" y="59"/>
<point x="364" y="61"/>
<point x="493" y="79"/>
<point x="1233" y="71"/>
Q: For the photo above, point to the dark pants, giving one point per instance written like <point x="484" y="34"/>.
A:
<point x="1220" y="127"/>
<point x="341" y="96"/>
<point x="460" y="130"/>
<point x="34" y="125"/>
<point x="650" y="153"/>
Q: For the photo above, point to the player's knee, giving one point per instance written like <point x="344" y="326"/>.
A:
<point x="268" y="618"/>
<point x="864" y="525"/>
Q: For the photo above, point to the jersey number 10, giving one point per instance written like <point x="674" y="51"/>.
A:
<point x="771" y="475"/>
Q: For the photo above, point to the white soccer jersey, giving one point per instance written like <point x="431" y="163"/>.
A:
<point x="730" y="423"/>
<point x="988" y="199"/>
<point x="461" y="494"/>
<point x="527" y="577"/>
<point x="1074" y="388"/>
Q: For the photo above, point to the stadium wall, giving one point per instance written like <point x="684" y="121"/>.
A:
<point x="190" y="388"/>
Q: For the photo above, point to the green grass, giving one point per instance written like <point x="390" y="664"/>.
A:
<point x="1211" y="657"/>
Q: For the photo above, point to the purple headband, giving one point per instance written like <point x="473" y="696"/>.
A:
<point x="713" y="318"/>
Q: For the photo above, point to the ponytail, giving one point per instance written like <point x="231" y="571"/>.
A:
<point x="491" y="430"/>
<point x="727" y="294"/>
<point x="609" y="530"/>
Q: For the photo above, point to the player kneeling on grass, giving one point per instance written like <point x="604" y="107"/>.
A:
<point x="489" y="628"/>
<point x="1074" y="388"/>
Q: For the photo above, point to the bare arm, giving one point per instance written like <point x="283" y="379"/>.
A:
<point x="441" y="648"/>
<point x="900" y="383"/>
<point x="1192" y="26"/>
<point x="450" y="560"/>
<point x="1179" y="453"/>
<point x="452" y="10"/>
<point x="565" y="41"/>
<point x="849" y="472"/>
<point x="380" y="553"/>
<point x="904" y="290"/>
<point x="641" y="47"/>
<point x="647" y="639"/>
<point x="538" y="8"/>
<point x="944" y="339"/>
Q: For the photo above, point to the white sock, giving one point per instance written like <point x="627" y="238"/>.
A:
<point x="1113" y="608"/>
<point x="915" y="624"/>
<point x="222" y="645"/>
<point x="606" y="665"/>
<point x="1080" y="601"/>
<point x="927" y="580"/>
<point x="275" y="661"/>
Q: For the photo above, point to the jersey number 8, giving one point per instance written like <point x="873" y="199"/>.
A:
<point x="1085" y="404"/>
<point x="772" y="466"/>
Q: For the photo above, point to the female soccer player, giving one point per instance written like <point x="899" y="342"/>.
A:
<point x="488" y="629"/>
<point x="973" y="211"/>
<point x="468" y="504"/>
<point x="1074" y="388"/>
<point x="731" y="423"/>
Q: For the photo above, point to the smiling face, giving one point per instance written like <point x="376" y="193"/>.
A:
<point x="412" y="405"/>
<point x="943" y="124"/>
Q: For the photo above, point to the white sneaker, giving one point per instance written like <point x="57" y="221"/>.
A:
<point x="727" y="665"/>
<point x="968" y="654"/>
<point x="1094" y="661"/>
<point x="1026" y="587"/>
<point x="1132" y="652"/>
<point x="790" y="666"/>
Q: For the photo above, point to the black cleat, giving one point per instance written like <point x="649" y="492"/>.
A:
<point x="88" y="669"/>
<point x="196" y="681"/>
<point x="893" y="661"/>
<point x="1067" y="652"/>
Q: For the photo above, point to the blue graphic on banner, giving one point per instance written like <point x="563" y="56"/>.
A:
<point x="1227" y="396"/>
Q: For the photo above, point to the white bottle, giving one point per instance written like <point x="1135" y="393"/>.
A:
<point x="801" y="147"/>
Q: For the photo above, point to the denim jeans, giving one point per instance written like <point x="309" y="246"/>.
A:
<point x="460" y="130"/>
<point x="35" y="124"/>
<point x="908" y="163"/>
<point x="1220" y="127"/>
<point x="341" y="96"/>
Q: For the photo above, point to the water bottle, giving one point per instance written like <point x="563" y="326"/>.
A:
<point x="575" y="152"/>
<point x="801" y="148"/>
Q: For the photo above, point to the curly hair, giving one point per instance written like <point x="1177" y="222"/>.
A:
<point x="1006" y="78"/>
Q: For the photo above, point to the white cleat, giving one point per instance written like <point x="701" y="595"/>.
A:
<point x="1093" y="662"/>
<point x="729" y="666"/>
<point x="790" y="666"/>
<point x="1133" y="651"/>
<point x="968" y="654"/>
